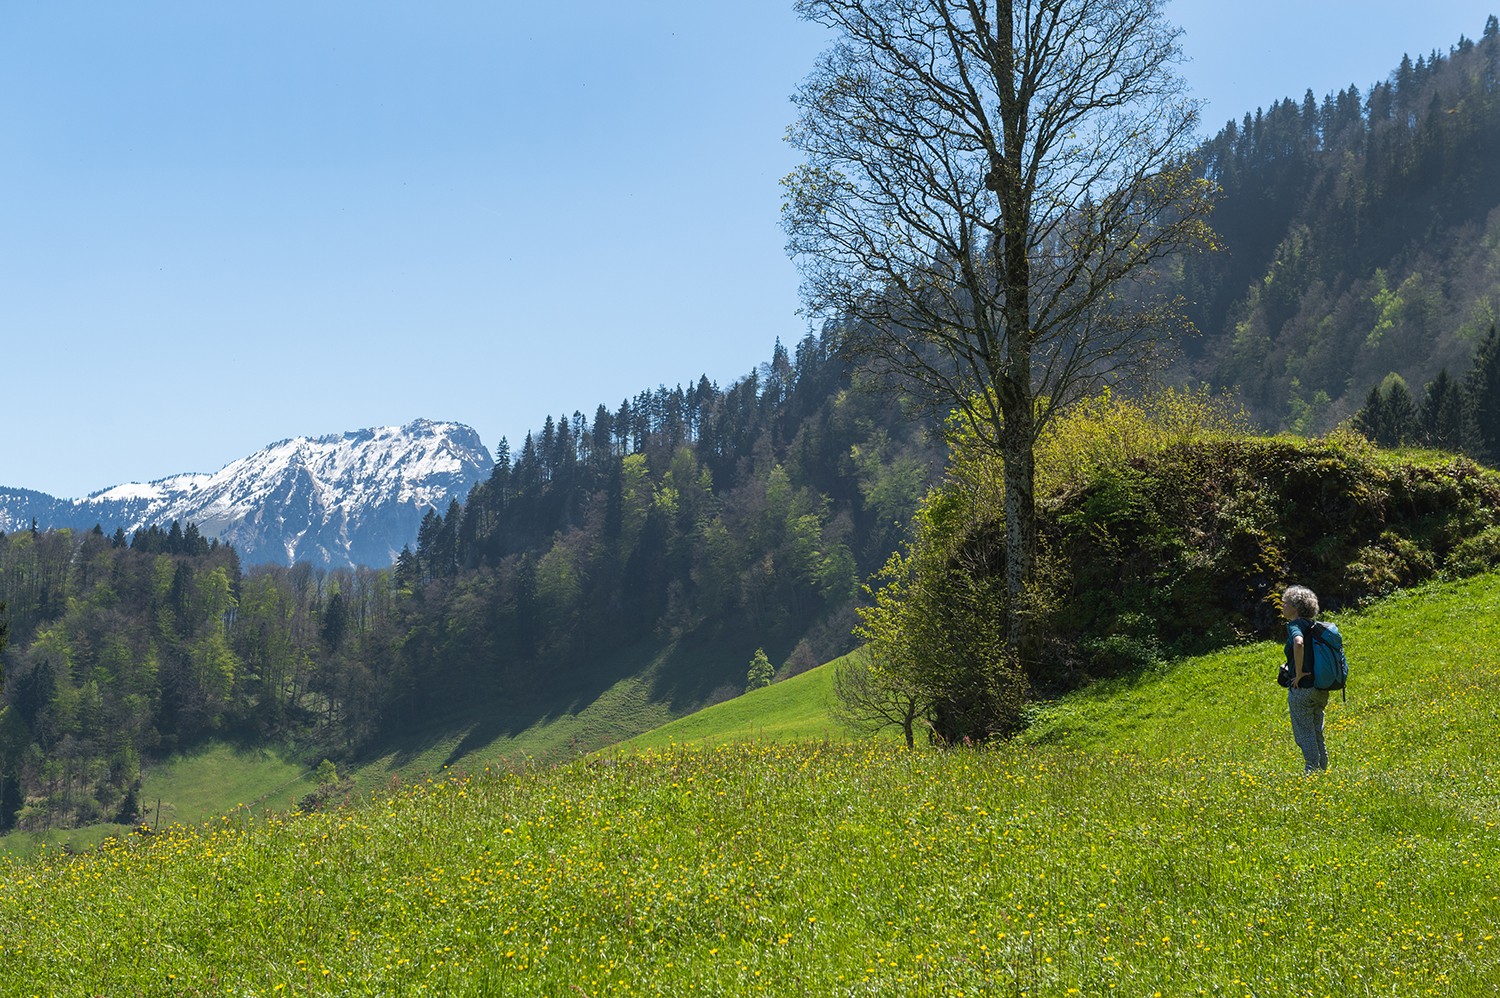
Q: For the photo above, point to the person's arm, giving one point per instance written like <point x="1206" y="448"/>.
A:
<point x="1297" y="658"/>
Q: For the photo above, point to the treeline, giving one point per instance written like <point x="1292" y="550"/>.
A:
<point x="1358" y="235"/>
<point x="730" y="518"/>
<point x="1461" y="415"/>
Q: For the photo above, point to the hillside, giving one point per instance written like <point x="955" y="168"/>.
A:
<point x="793" y="709"/>
<point x="1358" y="237"/>
<point x="1151" y="836"/>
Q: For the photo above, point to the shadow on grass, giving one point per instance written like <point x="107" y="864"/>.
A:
<point x="675" y="678"/>
<point x="488" y="711"/>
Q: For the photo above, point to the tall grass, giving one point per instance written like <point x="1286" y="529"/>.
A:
<point x="1151" y="838"/>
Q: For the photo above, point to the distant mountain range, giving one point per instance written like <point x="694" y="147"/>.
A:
<point x="340" y="500"/>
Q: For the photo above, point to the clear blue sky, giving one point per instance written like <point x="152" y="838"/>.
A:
<point x="226" y="224"/>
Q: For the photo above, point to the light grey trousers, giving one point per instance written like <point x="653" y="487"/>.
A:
<point x="1306" y="707"/>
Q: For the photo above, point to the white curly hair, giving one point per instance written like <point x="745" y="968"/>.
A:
<point x="1301" y="599"/>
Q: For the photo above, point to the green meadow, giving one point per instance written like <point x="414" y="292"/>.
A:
<point x="1149" y="836"/>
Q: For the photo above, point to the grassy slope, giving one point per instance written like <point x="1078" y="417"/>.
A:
<point x="795" y="708"/>
<point x="219" y="780"/>
<point x="1150" y="836"/>
<point x="189" y="789"/>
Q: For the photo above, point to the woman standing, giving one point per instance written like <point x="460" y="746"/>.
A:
<point x="1299" y="605"/>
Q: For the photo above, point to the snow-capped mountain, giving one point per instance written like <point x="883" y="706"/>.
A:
<point x="345" y="499"/>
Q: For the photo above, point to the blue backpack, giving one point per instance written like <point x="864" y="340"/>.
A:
<point x="1329" y="666"/>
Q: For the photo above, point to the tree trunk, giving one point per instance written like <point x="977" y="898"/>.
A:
<point x="1020" y="537"/>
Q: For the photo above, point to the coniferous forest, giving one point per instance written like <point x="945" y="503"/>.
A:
<point x="1357" y="279"/>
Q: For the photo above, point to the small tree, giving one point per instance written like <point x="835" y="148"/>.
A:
<point x="1370" y="418"/>
<point x="1389" y="416"/>
<point x="870" y="693"/>
<point x="1400" y="424"/>
<point x="936" y="633"/>
<point x="761" y="671"/>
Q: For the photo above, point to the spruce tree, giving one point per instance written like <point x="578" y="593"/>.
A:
<point x="1371" y="416"/>
<point x="1400" y="411"/>
<point x="1440" y="419"/>
<point x="761" y="671"/>
<point x="1482" y="400"/>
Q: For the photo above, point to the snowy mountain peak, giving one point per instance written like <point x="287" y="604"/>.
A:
<point x="341" y="499"/>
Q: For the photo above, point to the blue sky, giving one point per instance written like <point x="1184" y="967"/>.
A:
<point x="222" y="225"/>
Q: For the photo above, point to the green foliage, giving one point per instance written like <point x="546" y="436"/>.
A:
<point x="935" y="629"/>
<point x="1135" y="840"/>
<point x="935" y="625"/>
<point x="744" y="515"/>
<point x="761" y="671"/>
<point x="871" y="693"/>
<point x="1101" y="432"/>
<point x="125" y="654"/>
<point x="1200" y="537"/>
<point x="1458" y="416"/>
<point x="685" y="522"/>
<point x="1477" y="554"/>
<point x="1482" y="389"/>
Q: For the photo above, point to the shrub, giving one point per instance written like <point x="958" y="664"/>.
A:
<point x="1477" y="554"/>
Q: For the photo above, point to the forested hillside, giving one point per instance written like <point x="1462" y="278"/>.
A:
<point x="1360" y="235"/>
<point x="702" y="521"/>
<point x="731" y="518"/>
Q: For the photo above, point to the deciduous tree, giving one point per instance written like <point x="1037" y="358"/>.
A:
<point x="984" y="190"/>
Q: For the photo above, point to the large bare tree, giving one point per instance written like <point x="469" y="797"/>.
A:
<point x="985" y="191"/>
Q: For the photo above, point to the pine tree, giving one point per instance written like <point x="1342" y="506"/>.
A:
<point x="1440" y="419"/>
<point x="1371" y="416"/>
<point x="335" y="621"/>
<point x="1400" y="424"/>
<point x="408" y="571"/>
<point x="1389" y="416"/>
<point x="1482" y="398"/>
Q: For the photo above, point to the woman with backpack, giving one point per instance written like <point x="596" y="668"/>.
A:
<point x="1306" y="703"/>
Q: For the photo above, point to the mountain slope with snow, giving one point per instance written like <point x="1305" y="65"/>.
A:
<point x="344" y="499"/>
